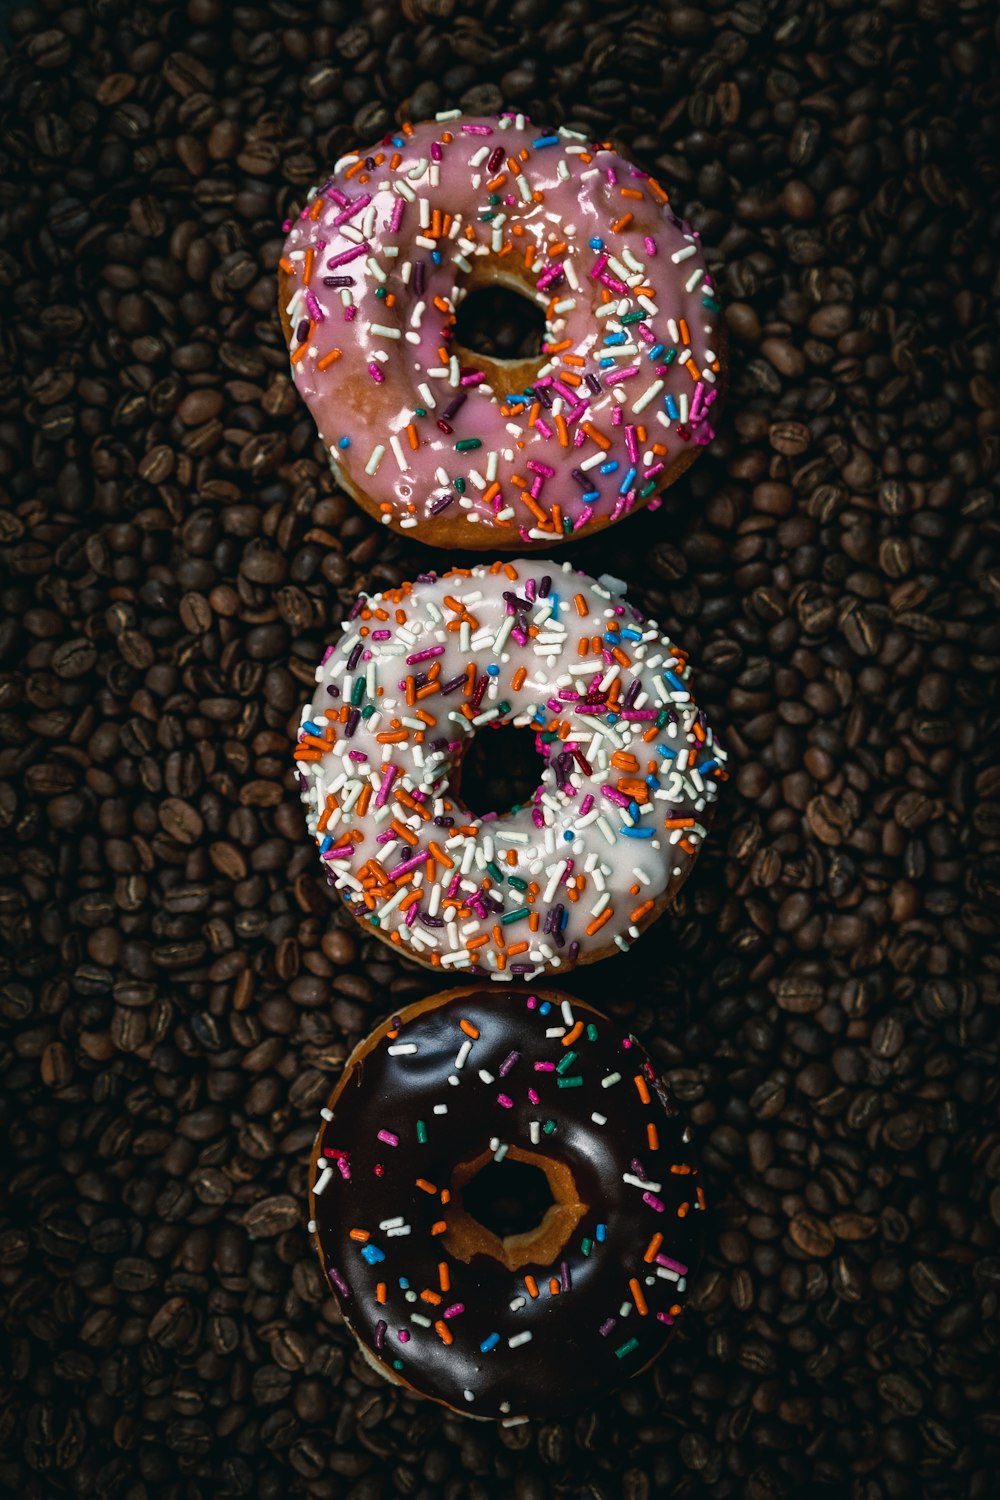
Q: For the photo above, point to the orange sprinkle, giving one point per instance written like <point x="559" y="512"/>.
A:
<point x="598" y="437"/>
<point x="582" y="608"/>
<point x="444" y="1277"/>
<point x="301" y="352"/>
<point x="425" y="1186"/>
<point x="517" y="681"/>
<point x="328" y="359"/>
<point x="553" y="1287"/>
<point x="469" y="1029"/>
<point x="532" y="1286"/>
<point x="380" y="1291"/>
<point x="359" y="1234"/>
<point x="572" y="1035"/>
<point x="439" y="1227"/>
<point x="641" y="1088"/>
<point x="443" y="1331"/>
<point x="652" y="1248"/>
<point x="652" y="1137"/>
<point x="621" y="223"/>
<point x="637" y="1297"/>
<point x="637" y="914"/>
<point x="598" y="922"/>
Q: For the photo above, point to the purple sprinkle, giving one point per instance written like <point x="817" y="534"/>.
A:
<point x="380" y="1328"/>
<point x="508" y="1063"/>
<point x="338" y="1281"/>
<point x="606" y="1327"/>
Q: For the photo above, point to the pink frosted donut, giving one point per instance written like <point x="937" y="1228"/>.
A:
<point x="462" y="448"/>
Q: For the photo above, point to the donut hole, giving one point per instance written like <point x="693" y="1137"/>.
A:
<point x="508" y="1197"/>
<point x="487" y="1219"/>
<point x="500" y="769"/>
<point x="500" y="322"/>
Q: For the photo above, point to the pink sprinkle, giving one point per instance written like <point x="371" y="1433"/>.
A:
<point x="650" y="245"/>
<point x="631" y="442"/>
<point x="344" y="1168"/>
<point x="476" y="378"/>
<point x="411" y="915"/>
<point x="397" y="215"/>
<point x="505" y="1101"/>
<point x="477" y="129"/>
<point x="616" y="375"/>
<point x="426" y="655"/>
<point x="403" y="1335"/>
<point x="391" y="772"/>
<point x="545" y="1067"/>
<point x="350" y="313"/>
<point x="375" y="372"/>
<point x="381" y="635"/>
<point x="656" y="1204"/>
<point x="672" y="1265"/>
<point x="388" y="1138"/>
<point x="454" y="1310"/>
<point x="532" y="1002"/>
<point x="353" y="209"/>
<point x="586" y="804"/>
<point x="345" y="257"/>
<point x="543" y="427"/>
<point x="436" y="152"/>
<point x="533" y="1096"/>
<point x="664" y="1317"/>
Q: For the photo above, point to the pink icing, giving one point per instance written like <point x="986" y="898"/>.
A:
<point x="629" y="366"/>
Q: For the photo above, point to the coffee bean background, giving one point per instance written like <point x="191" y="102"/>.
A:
<point x="179" y="989"/>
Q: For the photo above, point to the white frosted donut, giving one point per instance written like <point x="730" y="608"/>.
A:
<point x="631" y="768"/>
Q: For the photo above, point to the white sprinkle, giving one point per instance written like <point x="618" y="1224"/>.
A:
<point x="519" y="1339"/>
<point x="599" y="1119"/>
<point x="463" y="1053"/>
<point x="401" y="1049"/>
<point x="684" y="254"/>
<point x="642" y="1182"/>
<point x="611" y="1080"/>
<point x="378" y="453"/>
<point x="323" y="1182"/>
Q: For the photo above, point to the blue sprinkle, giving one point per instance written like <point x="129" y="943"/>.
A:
<point x="633" y="809"/>
<point x="373" y="1254"/>
<point x="600" y="1232"/>
<point x="675" y="681"/>
<point x="652" y="780"/>
<point x="545" y="1007"/>
<point x="636" y="833"/>
<point x="569" y="836"/>
<point x="326" y="844"/>
<point x="611" y="718"/>
<point x="708" y="765"/>
<point x="555" y="605"/>
<point x="631" y="635"/>
<point x="666" y="752"/>
<point x="626" y="483"/>
<point x="591" y="495"/>
<point x="609" y="467"/>
<point x="671" y="406"/>
<point x="493" y="671"/>
<point x="344" y="442"/>
<point x="615" y="338"/>
<point x="655" y="352"/>
<point x="404" y="1282"/>
<point x="606" y="363"/>
<point x="311" y="728"/>
<point x="489" y="1343"/>
<point x="596" y="243"/>
<point x="436" y="257"/>
<point x="545" y="140"/>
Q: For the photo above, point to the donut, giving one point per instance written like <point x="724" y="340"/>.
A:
<point x="505" y="1202"/>
<point x="630" y="768"/>
<point x="459" y="447"/>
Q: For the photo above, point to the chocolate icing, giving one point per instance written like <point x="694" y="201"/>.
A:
<point x="582" y="1342"/>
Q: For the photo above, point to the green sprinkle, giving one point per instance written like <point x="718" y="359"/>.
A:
<point x="380" y="292"/>
<point x="567" y="1063"/>
<point x="647" y="489"/>
<point x="495" y="871"/>
<point x="420" y="411"/>
<point x="517" y="882"/>
<point x="397" y="1364"/>
<point x="591" y="1032"/>
<point x="368" y="710"/>
<point x="460" y="485"/>
<point x="711" y="304"/>
<point x="567" y="525"/>
<point x="421" y="1132"/>
<point x="633" y="317"/>
<point x="670" y="356"/>
<point x="513" y="916"/>
<point x="358" y="691"/>
<point x="375" y="921"/>
<point x="627" y="1348"/>
<point x="570" y="1083"/>
<point x="586" y="1246"/>
<point x="467" y="444"/>
<point x="662" y="717"/>
<point x="549" y="1126"/>
<point x="503" y="707"/>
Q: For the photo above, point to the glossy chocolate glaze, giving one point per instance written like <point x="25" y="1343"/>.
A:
<point x="591" y="1334"/>
<point x="433" y="434"/>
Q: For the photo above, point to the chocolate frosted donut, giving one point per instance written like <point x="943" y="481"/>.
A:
<point x="631" y="768"/>
<point x="505" y="1202"/>
<point x="457" y="446"/>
